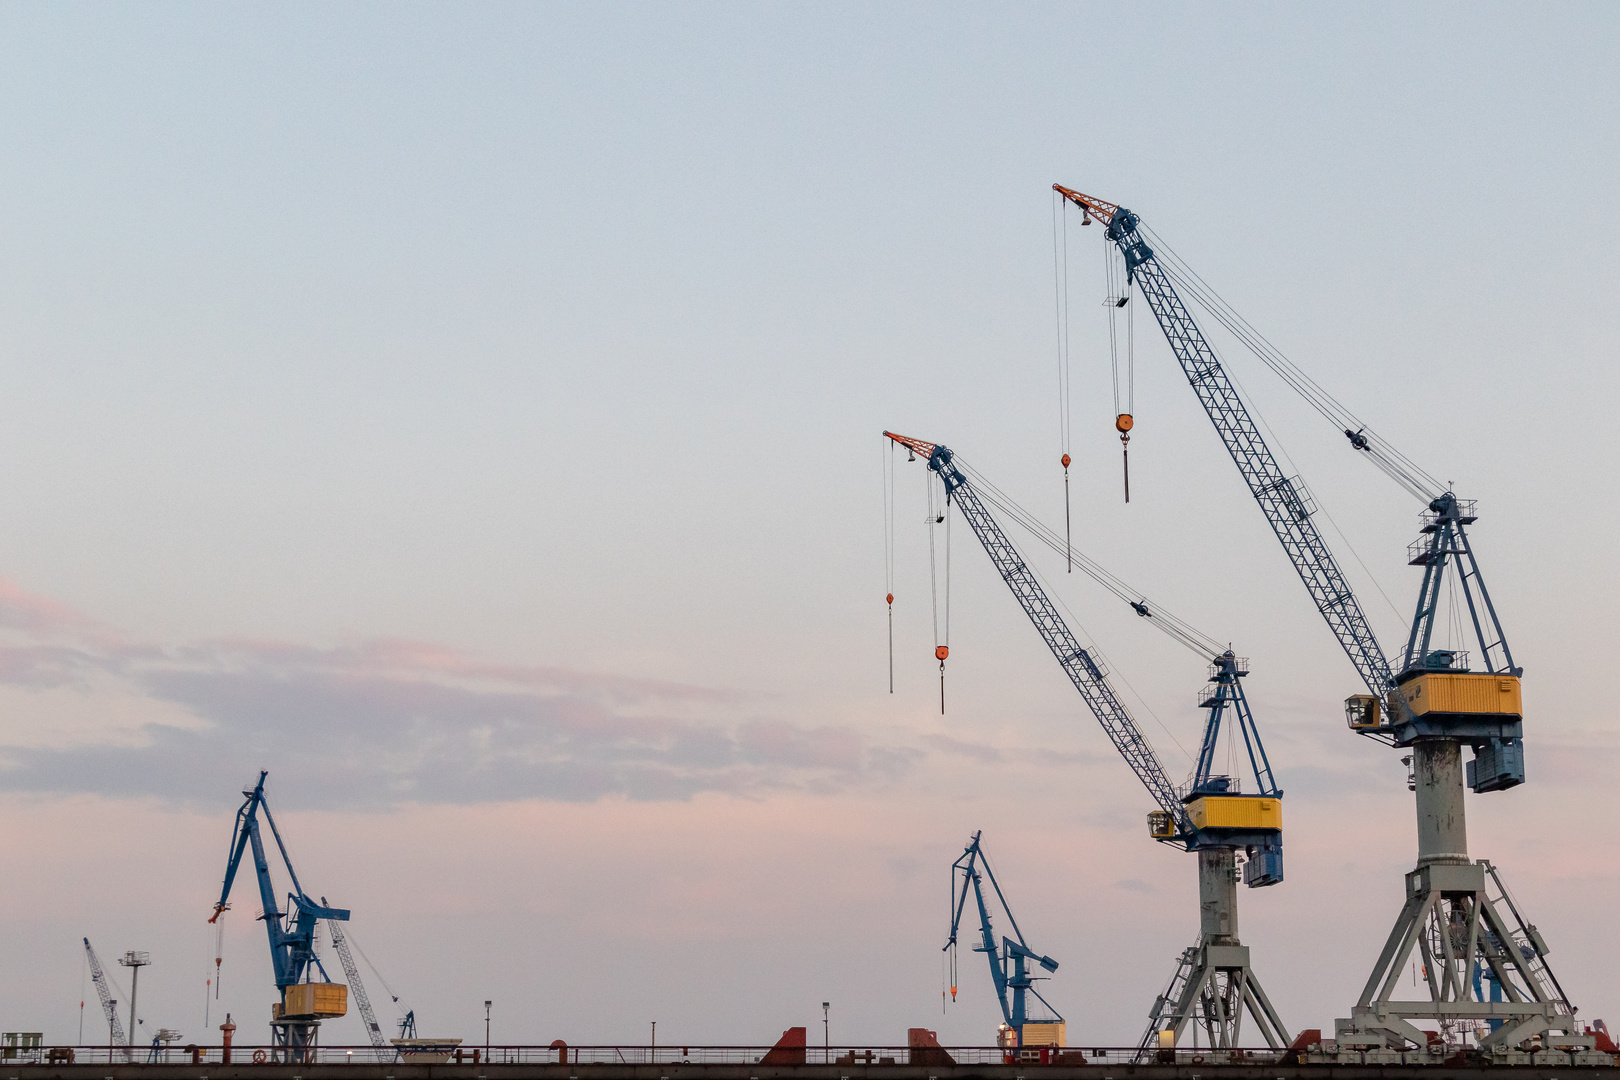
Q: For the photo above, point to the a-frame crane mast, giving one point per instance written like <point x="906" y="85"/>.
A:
<point x="1434" y="705"/>
<point x="304" y="1002"/>
<point x="1214" y="982"/>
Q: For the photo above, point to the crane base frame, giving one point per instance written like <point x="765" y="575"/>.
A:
<point x="294" y="1042"/>
<point x="1213" y="986"/>
<point x="1444" y="901"/>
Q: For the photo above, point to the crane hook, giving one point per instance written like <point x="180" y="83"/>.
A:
<point x="1068" y="544"/>
<point x="1123" y="424"/>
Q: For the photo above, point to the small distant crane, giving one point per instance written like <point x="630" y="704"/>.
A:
<point x="304" y="1003"/>
<point x="109" y="1006"/>
<point x="160" y="1045"/>
<point x="362" y="1000"/>
<point x="1009" y="964"/>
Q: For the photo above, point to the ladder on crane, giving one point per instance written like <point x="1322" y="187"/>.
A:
<point x="1163" y="1012"/>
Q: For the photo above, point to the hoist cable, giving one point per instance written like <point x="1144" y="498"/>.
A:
<point x="1060" y="282"/>
<point x="1384" y="456"/>
<point x="1060" y="288"/>
<point x="349" y="937"/>
<point x="887" y="464"/>
<point x="941" y="648"/>
<point x="947" y="641"/>
<point x="1178" y="629"/>
<point x="1276" y="444"/>
<point x="1113" y="333"/>
<point x="1130" y="353"/>
<point x="933" y="569"/>
<point x="1394" y="464"/>
<point x="1101" y="658"/>
<point x="1118" y="296"/>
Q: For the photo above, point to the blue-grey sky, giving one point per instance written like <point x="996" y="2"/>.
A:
<point x="471" y="414"/>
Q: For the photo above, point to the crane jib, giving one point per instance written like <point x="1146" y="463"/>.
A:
<point x="1084" y="672"/>
<point x="1493" y="727"/>
<point x="1278" y="495"/>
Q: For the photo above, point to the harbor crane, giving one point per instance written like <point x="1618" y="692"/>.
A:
<point x="1009" y="962"/>
<point x="109" y="1006"/>
<point x="1214" y="982"/>
<point x="303" y="1001"/>
<point x="1456" y="913"/>
<point x="340" y="945"/>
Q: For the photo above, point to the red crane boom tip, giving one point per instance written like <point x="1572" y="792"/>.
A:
<point x="1097" y="208"/>
<point x="926" y="449"/>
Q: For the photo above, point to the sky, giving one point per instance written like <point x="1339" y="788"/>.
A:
<point x="472" y="415"/>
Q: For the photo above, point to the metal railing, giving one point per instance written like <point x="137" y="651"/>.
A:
<point x="672" y="1054"/>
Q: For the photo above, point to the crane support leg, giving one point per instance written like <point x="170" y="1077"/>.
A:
<point x="294" y="1042"/>
<point x="1214" y="984"/>
<point x="1452" y="918"/>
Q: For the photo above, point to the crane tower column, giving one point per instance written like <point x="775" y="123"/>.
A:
<point x="1217" y="896"/>
<point x="1437" y="767"/>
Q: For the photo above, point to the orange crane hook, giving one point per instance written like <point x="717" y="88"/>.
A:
<point x="1123" y="424"/>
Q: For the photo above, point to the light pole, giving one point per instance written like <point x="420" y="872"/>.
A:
<point x="134" y="961"/>
<point x="487" y="1004"/>
<point x="826" y="1034"/>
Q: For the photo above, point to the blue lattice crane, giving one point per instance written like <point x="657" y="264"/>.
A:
<point x="1214" y="983"/>
<point x="303" y="1001"/>
<point x="1010" y="961"/>
<point x="1432" y="703"/>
